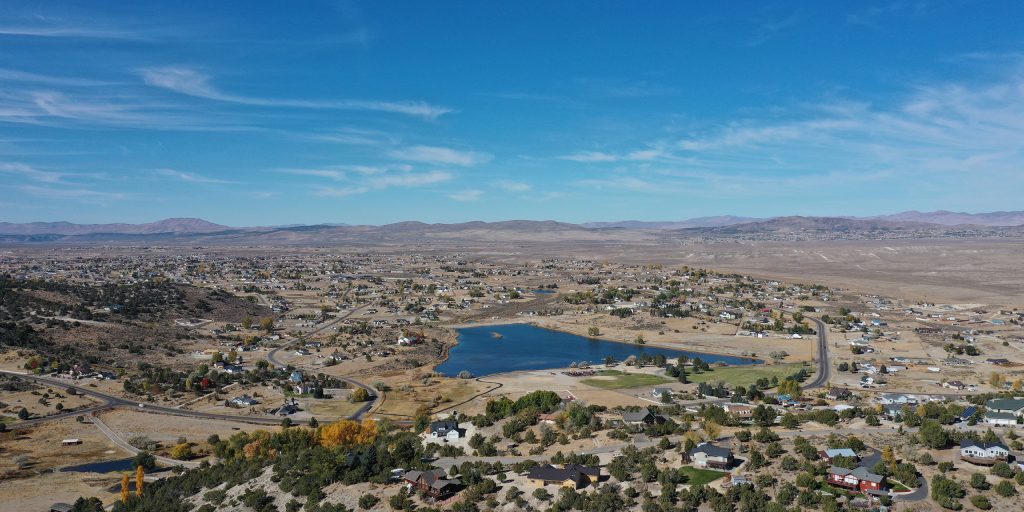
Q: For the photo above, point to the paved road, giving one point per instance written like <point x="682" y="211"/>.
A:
<point x="824" y="367"/>
<point x="111" y="401"/>
<point x="374" y="395"/>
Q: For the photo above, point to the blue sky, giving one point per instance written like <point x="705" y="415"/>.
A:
<point x="263" y="113"/>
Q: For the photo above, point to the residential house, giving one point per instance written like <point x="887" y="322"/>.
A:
<point x="661" y="392"/>
<point x="859" y="479"/>
<point x="244" y="401"/>
<point x="741" y="411"/>
<point x="1013" y="406"/>
<point x="445" y="429"/>
<point x="295" y="377"/>
<point x="434" y="483"/>
<point x="982" y="453"/>
<point x="573" y="476"/>
<point x="639" y="418"/>
<point x="707" y="455"/>
<point x="288" y="409"/>
<point x="1002" y="419"/>
<point x="954" y="384"/>
<point x="832" y="453"/>
<point x="999" y="361"/>
<point x="232" y="369"/>
<point x="838" y="394"/>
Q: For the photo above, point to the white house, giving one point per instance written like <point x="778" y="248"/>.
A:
<point x="1002" y="419"/>
<point x="983" y="453"/>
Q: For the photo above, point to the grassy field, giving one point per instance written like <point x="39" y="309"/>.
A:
<point x="746" y="375"/>
<point x="615" y="379"/>
<point x="697" y="476"/>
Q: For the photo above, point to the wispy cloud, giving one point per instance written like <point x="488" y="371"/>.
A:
<point x="768" y="28"/>
<point x="590" y="157"/>
<point x="440" y="155"/>
<point x="939" y="137"/>
<point x="619" y="88"/>
<point x="362" y="179"/>
<point x="639" y="155"/>
<point x="409" y="179"/>
<point x="68" y="32"/>
<point x="627" y="183"/>
<point x="189" y="177"/>
<point x="98" y="108"/>
<point x="513" y="186"/>
<point x="344" y="172"/>
<point x="466" y="196"/>
<point x="32" y="173"/>
<point x="83" y="194"/>
<point x="191" y="82"/>
<point x="14" y="75"/>
<point x="356" y="137"/>
<point x="339" y="191"/>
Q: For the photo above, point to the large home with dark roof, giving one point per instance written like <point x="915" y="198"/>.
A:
<point x="445" y="429"/>
<point x="434" y="482"/>
<point x="573" y="476"/>
<point x="639" y="418"/>
<point x="1013" y="406"/>
<point x="707" y="455"/>
<point x="1000" y="418"/>
<point x="983" y="454"/>
<point x="859" y="479"/>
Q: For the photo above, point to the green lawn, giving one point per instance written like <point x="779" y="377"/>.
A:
<point x="614" y="379"/>
<point x="697" y="476"/>
<point x="745" y="375"/>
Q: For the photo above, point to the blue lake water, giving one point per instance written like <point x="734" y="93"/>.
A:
<point x="527" y="347"/>
<point x="102" y="467"/>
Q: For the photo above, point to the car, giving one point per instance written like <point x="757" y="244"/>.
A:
<point x="142" y="405"/>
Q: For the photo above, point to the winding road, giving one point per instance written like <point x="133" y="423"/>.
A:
<point x="373" y="394"/>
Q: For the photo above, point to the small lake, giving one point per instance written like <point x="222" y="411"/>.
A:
<point x="102" y="467"/>
<point x="490" y="349"/>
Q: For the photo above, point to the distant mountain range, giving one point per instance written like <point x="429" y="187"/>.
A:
<point x="947" y="218"/>
<point x="181" y="226"/>
<point x="699" y="222"/>
<point x="198" y="231"/>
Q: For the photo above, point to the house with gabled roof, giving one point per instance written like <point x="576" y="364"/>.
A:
<point x="1013" y="406"/>
<point x="858" y="479"/>
<point x="983" y="453"/>
<point x="434" y="482"/>
<point x="707" y="455"/>
<point x="445" y="429"/>
<point x="574" y="476"/>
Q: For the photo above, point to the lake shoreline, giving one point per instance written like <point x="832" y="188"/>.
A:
<point x="481" y="357"/>
<point x="654" y="344"/>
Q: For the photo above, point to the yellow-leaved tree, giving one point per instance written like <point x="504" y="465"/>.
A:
<point x="140" y="475"/>
<point x="125" y="482"/>
<point x="347" y="433"/>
